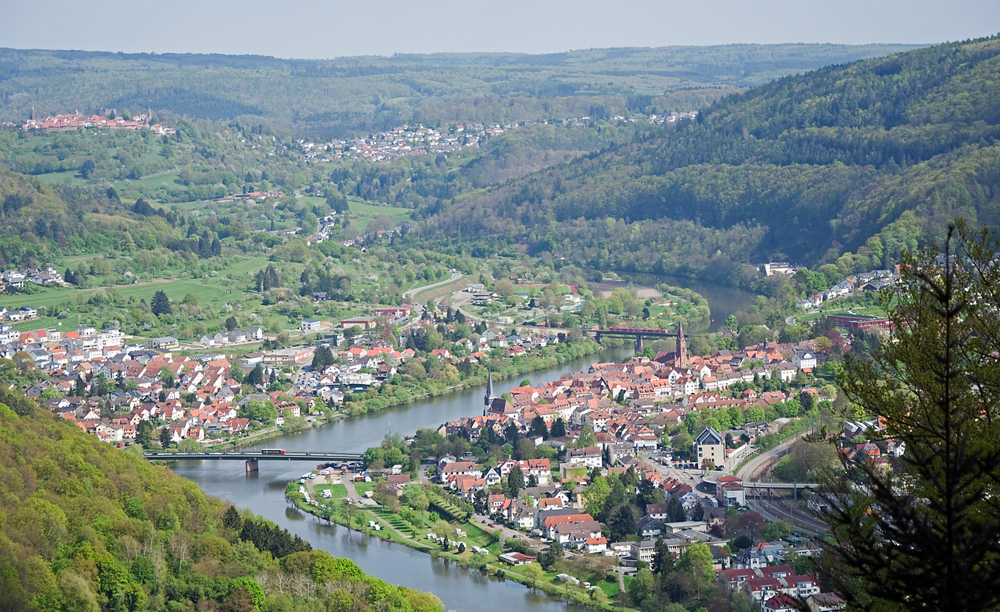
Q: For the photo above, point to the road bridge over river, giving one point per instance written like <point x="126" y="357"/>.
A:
<point x="252" y="458"/>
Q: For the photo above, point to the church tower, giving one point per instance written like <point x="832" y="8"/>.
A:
<point x="490" y="396"/>
<point x="681" y="359"/>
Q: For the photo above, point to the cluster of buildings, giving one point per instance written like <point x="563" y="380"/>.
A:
<point x="673" y="117"/>
<point x="236" y="336"/>
<point x="77" y="121"/>
<point x="54" y="350"/>
<point x="777" y="588"/>
<point x="402" y="141"/>
<point x="863" y="282"/>
<point x="419" y="139"/>
<point x="649" y="394"/>
<point x="251" y="195"/>
<point x="36" y="276"/>
<point x="141" y="392"/>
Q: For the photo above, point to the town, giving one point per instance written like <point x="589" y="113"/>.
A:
<point x="541" y="458"/>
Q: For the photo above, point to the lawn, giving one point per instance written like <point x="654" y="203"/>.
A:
<point x="337" y="490"/>
<point x="364" y="487"/>
<point x="610" y="588"/>
<point x="477" y="535"/>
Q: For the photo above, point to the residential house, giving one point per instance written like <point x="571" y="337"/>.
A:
<point x="825" y="602"/>
<point x="780" y="603"/>
<point x="589" y="457"/>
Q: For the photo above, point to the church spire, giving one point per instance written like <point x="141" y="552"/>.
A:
<point x="681" y="360"/>
<point x="490" y="396"/>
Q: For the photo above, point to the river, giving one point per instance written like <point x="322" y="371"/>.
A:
<point x="461" y="589"/>
<point x="722" y="299"/>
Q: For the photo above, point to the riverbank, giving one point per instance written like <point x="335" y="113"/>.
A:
<point x="380" y="401"/>
<point x="352" y="513"/>
<point x="388" y="396"/>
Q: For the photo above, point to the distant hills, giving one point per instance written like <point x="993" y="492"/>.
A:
<point x="348" y="95"/>
<point x="872" y="157"/>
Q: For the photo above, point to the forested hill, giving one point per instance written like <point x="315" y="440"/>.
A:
<point x="344" y="96"/>
<point x="85" y="526"/>
<point x="879" y="152"/>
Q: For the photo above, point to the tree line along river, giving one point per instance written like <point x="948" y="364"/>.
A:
<point x="460" y="588"/>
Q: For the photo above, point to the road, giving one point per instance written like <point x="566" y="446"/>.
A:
<point x="418" y="308"/>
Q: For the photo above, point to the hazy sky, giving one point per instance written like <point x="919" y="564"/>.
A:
<point x="335" y="28"/>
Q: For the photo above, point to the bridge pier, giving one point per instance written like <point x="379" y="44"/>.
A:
<point x="638" y="345"/>
<point x="252" y="465"/>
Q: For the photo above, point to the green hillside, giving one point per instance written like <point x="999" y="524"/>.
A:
<point x="87" y="527"/>
<point x="346" y="95"/>
<point x="871" y="157"/>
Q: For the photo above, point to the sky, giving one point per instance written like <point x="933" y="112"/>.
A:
<point x="318" y="29"/>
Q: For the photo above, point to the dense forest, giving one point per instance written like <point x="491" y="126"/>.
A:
<point x="349" y="95"/>
<point x="88" y="527"/>
<point x="872" y="157"/>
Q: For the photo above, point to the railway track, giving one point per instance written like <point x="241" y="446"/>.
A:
<point x="767" y="503"/>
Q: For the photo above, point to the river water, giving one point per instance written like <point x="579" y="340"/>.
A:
<point x="461" y="589"/>
<point x="723" y="300"/>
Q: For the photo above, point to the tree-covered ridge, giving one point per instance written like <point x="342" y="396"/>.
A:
<point x="370" y="93"/>
<point x="84" y="526"/>
<point x="867" y="157"/>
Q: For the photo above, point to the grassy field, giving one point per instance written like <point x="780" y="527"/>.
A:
<point x="366" y="212"/>
<point x="68" y="324"/>
<point x="151" y="182"/>
<point x="58" y="178"/>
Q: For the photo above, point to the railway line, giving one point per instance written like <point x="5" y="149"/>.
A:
<point x="768" y="502"/>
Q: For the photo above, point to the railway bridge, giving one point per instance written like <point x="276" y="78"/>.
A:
<point x="632" y="332"/>
<point x="252" y="458"/>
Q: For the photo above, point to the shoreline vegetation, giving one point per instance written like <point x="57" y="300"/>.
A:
<point x="355" y="520"/>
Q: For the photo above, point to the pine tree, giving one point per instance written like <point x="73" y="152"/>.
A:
<point x="160" y="304"/>
<point x="558" y="428"/>
<point x="663" y="559"/>
<point x="256" y="376"/>
<point x="515" y="482"/>
<point x="925" y="535"/>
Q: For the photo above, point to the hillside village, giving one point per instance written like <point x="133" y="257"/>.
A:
<point x="419" y="139"/>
